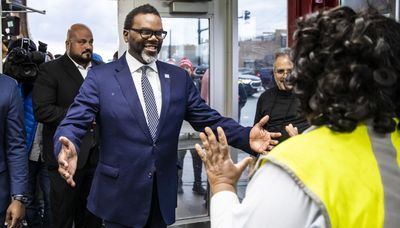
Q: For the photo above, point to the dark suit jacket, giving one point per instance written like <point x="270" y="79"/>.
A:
<point x="13" y="152"/>
<point x="122" y="186"/>
<point x="54" y="91"/>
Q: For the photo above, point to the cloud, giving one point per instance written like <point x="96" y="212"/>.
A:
<point x="51" y="28"/>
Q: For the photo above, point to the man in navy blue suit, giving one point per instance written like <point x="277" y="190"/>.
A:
<point x="140" y="104"/>
<point x="13" y="154"/>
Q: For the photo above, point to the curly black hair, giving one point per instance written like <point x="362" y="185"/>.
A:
<point x="143" y="9"/>
<point x="347" y="69"/>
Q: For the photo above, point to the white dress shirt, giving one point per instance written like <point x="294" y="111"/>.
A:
<point x="273" y="200"/>
<point x="84" y="71"/>
<point x="152" y="74"/>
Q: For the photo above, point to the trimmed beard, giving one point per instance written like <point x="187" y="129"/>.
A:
<point x="81" y="60"/>
<point x="148" y="58"/>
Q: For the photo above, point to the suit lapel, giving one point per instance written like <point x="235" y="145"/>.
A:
<point x="124" y="78"/>
<point x="165" y="94"/>
<point x="72" y="70"/>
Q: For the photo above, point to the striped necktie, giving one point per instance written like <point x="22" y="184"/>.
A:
<point x="150" y="102"/>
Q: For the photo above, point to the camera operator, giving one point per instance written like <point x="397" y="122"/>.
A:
<point x="22" y="63"/>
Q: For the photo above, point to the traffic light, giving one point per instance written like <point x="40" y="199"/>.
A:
<point x="246" y="14"/>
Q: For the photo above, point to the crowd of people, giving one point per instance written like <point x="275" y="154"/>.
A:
<point x="103" y="141"/>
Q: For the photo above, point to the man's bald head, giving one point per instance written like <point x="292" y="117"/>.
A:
<point x="76" y="27"/>
<point x="79" y="44"/>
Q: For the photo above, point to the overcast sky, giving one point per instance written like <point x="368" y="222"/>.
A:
<point x="265" y="15"/>
<point x="101" y="17"/>
<point x="51" y="28"/>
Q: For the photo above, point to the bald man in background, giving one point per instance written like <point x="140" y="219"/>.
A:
<point x="55" y="88"/>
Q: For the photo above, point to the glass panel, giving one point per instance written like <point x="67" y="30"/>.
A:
<point x="262" y="31"/>
<point x="187" y="46"/>
<point x="386" y="7"/>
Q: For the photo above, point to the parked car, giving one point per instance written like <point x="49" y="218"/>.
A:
<point x="252" y="84"/>
<point x="266" y="75"/>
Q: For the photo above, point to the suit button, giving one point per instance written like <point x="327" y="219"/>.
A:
<point x="150" y="175"/>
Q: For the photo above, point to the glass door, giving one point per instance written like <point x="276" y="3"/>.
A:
<point x="187" y="46"/>
<point x="262" y="30"/>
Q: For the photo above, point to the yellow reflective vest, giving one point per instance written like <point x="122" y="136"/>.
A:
<point x="353" y="177"/>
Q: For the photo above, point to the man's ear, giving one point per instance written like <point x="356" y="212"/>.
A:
<point x="125" y="33"/>
<point x="67" y="44"/>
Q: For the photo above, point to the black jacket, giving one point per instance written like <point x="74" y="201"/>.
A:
<point x="282" y="108"/>
<point x="54" y="91"/>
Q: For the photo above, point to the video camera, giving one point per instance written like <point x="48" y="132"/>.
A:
<point x="23" y="59"/>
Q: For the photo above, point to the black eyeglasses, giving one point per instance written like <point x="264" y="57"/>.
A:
<point x="147" y="33"/>
<point x="282" y="71"/>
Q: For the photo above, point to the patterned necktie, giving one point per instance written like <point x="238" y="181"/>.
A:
<point x="150" y="101"/>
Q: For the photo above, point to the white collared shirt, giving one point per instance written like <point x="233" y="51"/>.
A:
<point x="84" y="71"/>
<point x="152" y="74"/>
<point x="273" y="199"/>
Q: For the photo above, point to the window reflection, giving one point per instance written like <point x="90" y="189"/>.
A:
<point x="187" y="46"/>
<point x="386" y="7"/>
<point x="262" y="31"/>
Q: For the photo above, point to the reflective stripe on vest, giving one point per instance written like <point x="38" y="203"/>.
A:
<point x="353" y="177"/>
<point x="386" y="154"/>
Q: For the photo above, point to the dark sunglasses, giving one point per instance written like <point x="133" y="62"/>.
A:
<point x="147" y="33"/>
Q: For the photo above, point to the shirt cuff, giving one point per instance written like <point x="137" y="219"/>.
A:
<point x="221" y="208"/>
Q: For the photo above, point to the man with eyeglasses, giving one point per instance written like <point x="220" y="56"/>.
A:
<point x="279" y="103"/>
<point x="141" y="103"/>
<point x="55" y="88"/>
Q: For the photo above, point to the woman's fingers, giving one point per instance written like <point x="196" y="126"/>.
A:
<point x="201" y="152"/>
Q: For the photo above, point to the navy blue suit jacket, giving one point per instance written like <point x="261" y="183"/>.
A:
<point x="13" y="152"/>
<point x="122" y="186"/>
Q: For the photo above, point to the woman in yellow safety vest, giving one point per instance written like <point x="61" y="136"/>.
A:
<point x="344" y="171"/>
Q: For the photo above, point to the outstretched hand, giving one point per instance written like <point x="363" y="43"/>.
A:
<point x="67" y="160"/>
<point x="222" y="173"/>
<point x="262" y="140"/>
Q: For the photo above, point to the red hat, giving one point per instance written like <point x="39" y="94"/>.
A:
<point x="185" y="62"/>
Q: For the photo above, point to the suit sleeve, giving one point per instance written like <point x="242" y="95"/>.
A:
<point x="80" y="115"/>
<point x="45" y="98"/>
<point x="200" y="115"/>
<point x="17" y="154"/>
